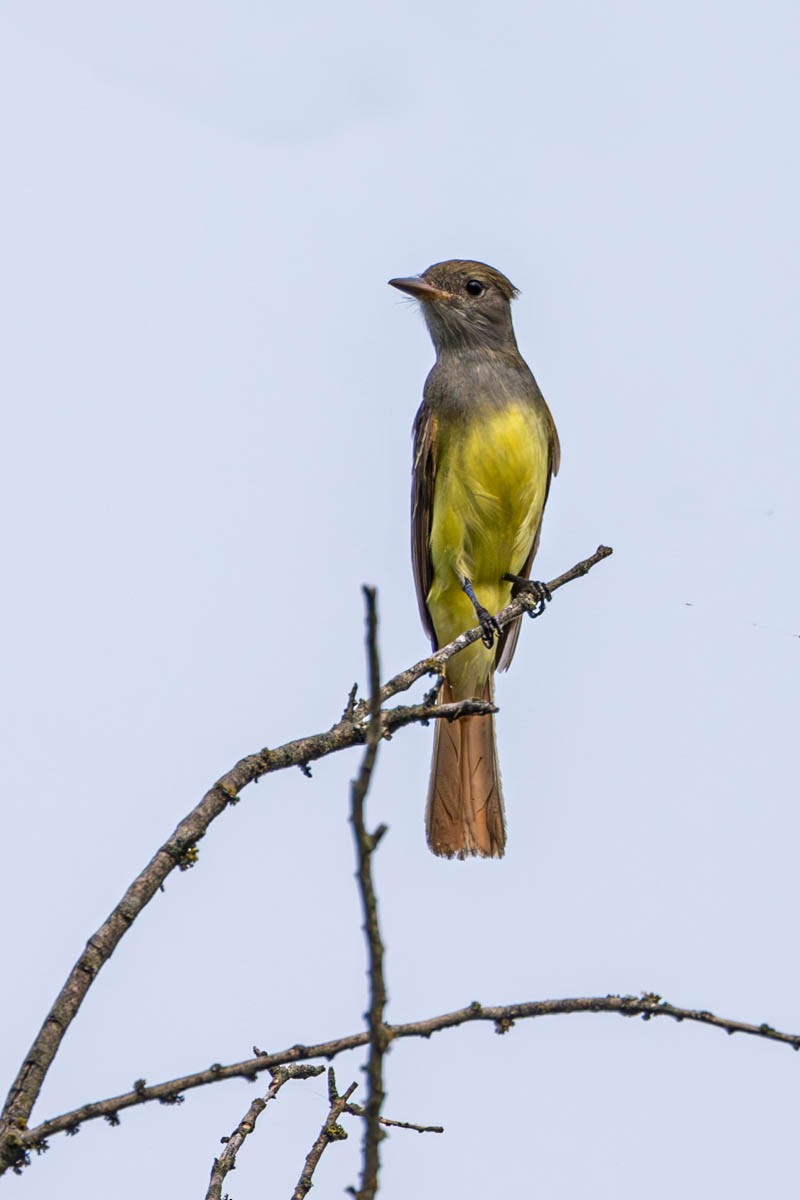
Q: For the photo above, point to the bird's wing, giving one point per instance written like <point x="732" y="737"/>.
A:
<point x="422" y="511"/>
<point x="507" y="642"/>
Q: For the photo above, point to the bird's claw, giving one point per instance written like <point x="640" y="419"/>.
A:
<point x="489" y="625"/>
<point x="540" y="594"/>
<point x="538" y="591"/>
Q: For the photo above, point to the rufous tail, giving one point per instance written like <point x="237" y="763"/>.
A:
<point x="465" y="801"/>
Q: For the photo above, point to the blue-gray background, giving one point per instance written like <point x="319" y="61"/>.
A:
<point x="208" y="390"/>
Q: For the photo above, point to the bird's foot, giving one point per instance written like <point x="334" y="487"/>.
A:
<point x="538" y="591"/>
<point x="487" y="622"/>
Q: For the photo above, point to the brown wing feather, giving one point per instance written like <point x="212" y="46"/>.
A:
<point x="421" y="511"/>
<point x="507" y="642"/>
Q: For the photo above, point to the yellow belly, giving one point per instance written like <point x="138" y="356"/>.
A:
<point x="491" y="481"/>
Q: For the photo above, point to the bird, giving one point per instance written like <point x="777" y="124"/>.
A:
<point x="485" y="451"/>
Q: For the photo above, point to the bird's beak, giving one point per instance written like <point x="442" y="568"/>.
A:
<point x="417" y="287"/>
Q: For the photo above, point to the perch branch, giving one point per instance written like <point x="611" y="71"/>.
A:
<point x="518" y="606"/>
<point x="180" y="850"/>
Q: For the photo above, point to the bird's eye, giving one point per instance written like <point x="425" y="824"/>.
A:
<point x="474" y="287"/>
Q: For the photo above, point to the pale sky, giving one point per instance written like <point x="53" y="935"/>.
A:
<point x="209" y="392"/>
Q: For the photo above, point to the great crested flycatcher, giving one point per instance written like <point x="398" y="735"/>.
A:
<point x="485" y="448"/>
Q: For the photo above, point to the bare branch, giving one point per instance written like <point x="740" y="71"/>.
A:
<point x="227" y="1160"/>
<point x="405" y="714"/>
<point x="331" y="1131"/>
<point x="365" y="846"/>
<point x="180" y="850"/>
<point x="646" y="1006"/>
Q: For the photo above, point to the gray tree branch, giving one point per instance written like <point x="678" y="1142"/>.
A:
<point x="180" y="850"/>
<point x="366" y="844"/>
<point x="503" y="1017"/>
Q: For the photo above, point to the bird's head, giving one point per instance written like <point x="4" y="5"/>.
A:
<point x="465" y="304"/>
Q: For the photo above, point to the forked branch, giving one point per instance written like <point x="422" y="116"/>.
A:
<point x="180" y="851"/>
<point x="233" y="1144"/>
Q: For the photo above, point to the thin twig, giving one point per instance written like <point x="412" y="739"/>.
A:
<point x="358" y="1111"/>
<point x="233" y="1144"/>
<point x="180" y="850"/>
<point x="331" y="1131"/>
<point x="409" y="1125"/>
<point x="366" y="843"/>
